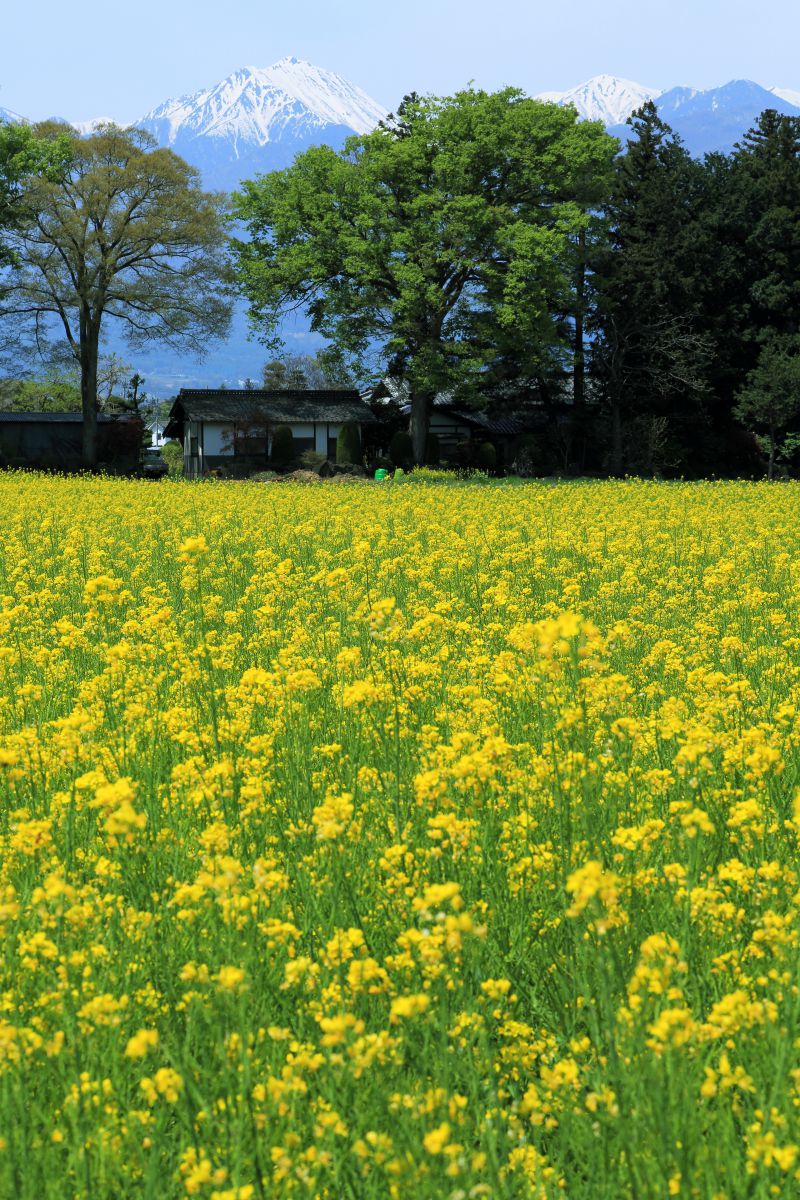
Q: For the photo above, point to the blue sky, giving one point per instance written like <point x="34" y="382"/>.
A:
<point x="106" y="59"/>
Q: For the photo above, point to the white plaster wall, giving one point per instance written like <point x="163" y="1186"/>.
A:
<point x="218" y="438"/>
<point x="189" y="432"/>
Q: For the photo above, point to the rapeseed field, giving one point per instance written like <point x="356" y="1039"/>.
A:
<point x="399" y="841"/>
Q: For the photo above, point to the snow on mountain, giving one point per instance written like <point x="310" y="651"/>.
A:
<point x="259" y="118"/>
<point x="787" y="94"/>
<point x="714" y="119"/>
<point x="604" y="98"/>
<point x="87" y="127"/>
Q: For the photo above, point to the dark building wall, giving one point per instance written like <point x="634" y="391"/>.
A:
<point x="57" y="445"/>
<point x="27" y="444"/>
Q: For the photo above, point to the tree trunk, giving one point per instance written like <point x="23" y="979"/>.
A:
<point x="773" y="442"/>
<point x="90" y="346"/>
<point x="616" y="438"/>
<point x="421" y="404"/>
<point x="579" y="358"/>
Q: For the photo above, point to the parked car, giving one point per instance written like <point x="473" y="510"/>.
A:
<point x="154" y="464"/>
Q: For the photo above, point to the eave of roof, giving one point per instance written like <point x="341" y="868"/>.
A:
<point x="58" y="418"/>
<point x="284" y="407"/>
<point x="502" y="426"/>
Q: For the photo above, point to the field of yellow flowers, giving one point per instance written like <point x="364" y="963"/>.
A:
<point x="399" y="841"/>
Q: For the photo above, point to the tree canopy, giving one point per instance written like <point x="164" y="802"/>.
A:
<point x="430" y="241"/>
<point x="305" y="372"/>
<point x="24" y="156"/>
<point x="649" y="353"/>
<point x="770" y="400"/>
<point x="122" y="231"/>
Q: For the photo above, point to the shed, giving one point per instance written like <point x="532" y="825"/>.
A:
<point x="54" y="440"/>
<point x="233" y="429"/>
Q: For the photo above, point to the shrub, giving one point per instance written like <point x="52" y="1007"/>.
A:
<point x="528" y="458"/>
<point x="312" y="459"/>
<point x="282" y="446"/>
<point x="486" y="458"/>
<point x="173" y="457"/>
<point x="401" y="449"/>
<point x="464" y="454"/>
<point x="434" y="453"/>
<point x="434" y="475"/>
<point x="348" y="445"/>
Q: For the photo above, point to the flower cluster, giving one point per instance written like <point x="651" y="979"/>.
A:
<point x="431" y="842"/>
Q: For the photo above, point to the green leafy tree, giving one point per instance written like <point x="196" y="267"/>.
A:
<point x="123" y="233"/>
<point x="770" y="401"/>
<point x="173" y="456"/>
<point x="306" y="372"/>
<point x="447" y="230"/>
<point x="23" y="157"/>
<point x="55" y="393"/>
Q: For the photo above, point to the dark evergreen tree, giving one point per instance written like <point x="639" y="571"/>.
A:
<point x="767" y="170"/>
<point x="348" y="444"/>
<point x="746" y="245"/>
<point x="648" y="352"/>
<point x="282" y="446"/>
<point x="770" y="401"/>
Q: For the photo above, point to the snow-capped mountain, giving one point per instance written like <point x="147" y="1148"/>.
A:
<point x="604" y="98"/>
<point x="260" y="118"/>
<point x="87" y="127"/>
<point x="787" y="94"/>
<point x="715" y="119"/>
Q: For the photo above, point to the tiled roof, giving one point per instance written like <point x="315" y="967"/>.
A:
<point x="56" y="418"/>
<point x="283" y="407"/>
<point x="499" y="426"/>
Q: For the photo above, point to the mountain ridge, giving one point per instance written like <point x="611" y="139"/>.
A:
<point x="713" y="119"/>
<point x="257" y="119"/>
<point x="606" y="98"/>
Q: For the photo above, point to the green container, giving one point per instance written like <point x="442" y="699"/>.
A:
<point x="381" y="473"/>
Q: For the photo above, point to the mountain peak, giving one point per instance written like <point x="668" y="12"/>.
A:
<point x="253" y="104"/>
<point x="605" y="98"/>
<point x="88" y="127"/>
<point x="258" y="118"/>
